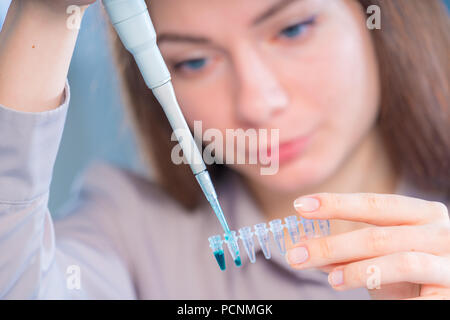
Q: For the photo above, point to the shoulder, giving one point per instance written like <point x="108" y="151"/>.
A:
<point x="408" y="188"/>
<point x="107" y="195"/>
<point x="120" y="190"/>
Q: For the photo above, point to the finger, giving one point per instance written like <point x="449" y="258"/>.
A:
<point x="368" y="243"/>
<point x="79" y="2"/>
<point x="372" y="208"/>
<point x="329" y="268"/>
<point x="432" y="290"/>
<point x="412" y="267"/>
<point x="433" y="297"/>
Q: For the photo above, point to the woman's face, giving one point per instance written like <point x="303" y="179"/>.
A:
<point x="305" y="67"/>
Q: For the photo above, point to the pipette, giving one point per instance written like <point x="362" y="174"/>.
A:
<point x="132" y="23"/>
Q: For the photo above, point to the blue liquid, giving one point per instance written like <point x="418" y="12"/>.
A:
<point x="220" y="257"/>
<point x="238" y="261"/>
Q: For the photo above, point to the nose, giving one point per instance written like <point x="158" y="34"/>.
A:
<point x="259" y="95"/>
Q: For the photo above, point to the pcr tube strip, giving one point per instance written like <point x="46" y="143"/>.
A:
<point x="297" y="229"/>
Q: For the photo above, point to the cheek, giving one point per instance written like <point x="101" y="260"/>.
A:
<point x="340" y="75"/>
<point x="336" y="78"/>
<point x="353" y="77"/>
<point x="334" y="82"/>
<point x="211" y="104"/>
<point x="208" y="103"/>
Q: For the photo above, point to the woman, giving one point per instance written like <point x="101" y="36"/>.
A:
<point x="363" y="116"/>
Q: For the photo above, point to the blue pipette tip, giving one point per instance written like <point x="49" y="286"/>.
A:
<point x="220" y="257"/>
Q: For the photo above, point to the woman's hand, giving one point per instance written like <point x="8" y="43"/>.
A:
<point x="56" y="6"/>
<point x="70" y="2"/>
<point x="36" y="46"/>
<point x="406" y="254"/>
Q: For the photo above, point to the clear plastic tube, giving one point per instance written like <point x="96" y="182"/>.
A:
<point x="246" y="236"/>
<point x="216" y="245"/>
<point x="233" y="247"/>
<point x="308" y="227"/>
<point x="262" y="233"/>
<point x="324" y="226"/>
<point x="293" y="229"/>
<point x="278" y="235"/>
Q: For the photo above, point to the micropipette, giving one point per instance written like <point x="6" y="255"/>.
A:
<point x="132" y="23"/>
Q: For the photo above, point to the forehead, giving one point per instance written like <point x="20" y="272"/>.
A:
<point x="206" y="15"/>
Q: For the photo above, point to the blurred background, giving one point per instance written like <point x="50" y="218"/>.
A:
<point x="96" y="127"/>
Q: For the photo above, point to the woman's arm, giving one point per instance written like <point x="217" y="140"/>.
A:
<point x="87" y="258"/>
<point x="35" y="51"/>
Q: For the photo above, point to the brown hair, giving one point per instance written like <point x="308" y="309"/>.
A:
<point x="412" y="48"/>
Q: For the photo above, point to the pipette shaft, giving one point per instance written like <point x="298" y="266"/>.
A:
<point x="132" y="23"/>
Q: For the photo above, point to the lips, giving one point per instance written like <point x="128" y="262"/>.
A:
<point x="290" y="149"/>
<point x="287" y="150"/>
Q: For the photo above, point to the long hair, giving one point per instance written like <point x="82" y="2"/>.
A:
<point x="412" y="48"/>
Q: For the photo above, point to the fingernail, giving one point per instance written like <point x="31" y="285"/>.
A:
<point x="297" y="255"/>
<point x="336" y="278"/>
<point x="307" y="204"/>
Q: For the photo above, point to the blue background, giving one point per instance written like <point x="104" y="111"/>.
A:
<point x="96" y="127"/>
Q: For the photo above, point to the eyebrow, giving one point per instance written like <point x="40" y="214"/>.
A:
<point x="176" y="37"/>
<point x="273" y="10"/>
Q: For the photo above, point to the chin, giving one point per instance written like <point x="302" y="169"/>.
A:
<point x="293" y="177"/>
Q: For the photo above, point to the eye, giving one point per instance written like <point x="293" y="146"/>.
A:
<point x="297" y="29"/>
<point x="191" y="65"/>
